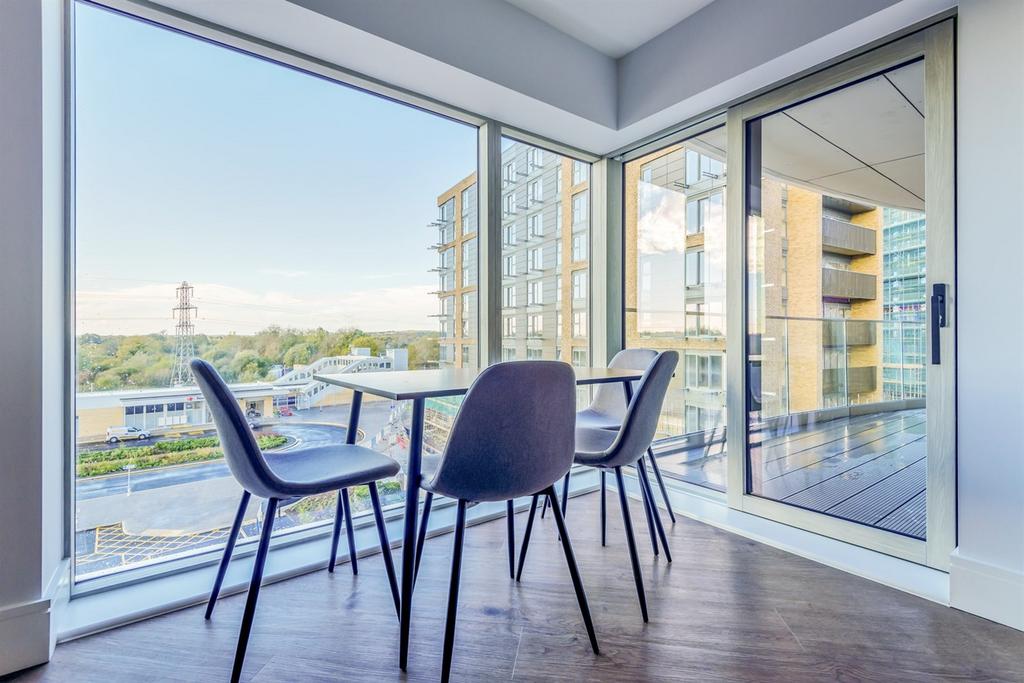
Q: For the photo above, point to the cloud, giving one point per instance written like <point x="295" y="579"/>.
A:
<point x="662" y="223"/>
<point x="223" y="309"/>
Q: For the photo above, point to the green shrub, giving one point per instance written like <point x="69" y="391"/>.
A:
<point x="161" y="454"/>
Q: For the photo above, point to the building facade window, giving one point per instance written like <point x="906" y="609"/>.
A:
<point x="534" y="158"/>
<point x="535" y="225"/>
<point x="580" y="208"/>
<point x="469" y="262"/>
<point x="535" y="258"/>
<point x="535" y="293"/>
<point x="579" y="324"/>
<point x="509" y="297"/>
<point x="534" y="325"/>
<point x="579" y="284"/>
<point x="579" y="247"/>
<point x="535" y="192"/>
<point x="580" y="172"/>
<point x="694" y="267"/>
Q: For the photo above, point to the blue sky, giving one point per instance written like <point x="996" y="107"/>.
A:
<point x="284" y="198"/>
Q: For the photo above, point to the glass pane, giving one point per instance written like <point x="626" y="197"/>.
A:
<point x="836" y="290"/>
<point x="546" y="251"/>
<point x="284" y="220"/>
<point x="675" y="295"/>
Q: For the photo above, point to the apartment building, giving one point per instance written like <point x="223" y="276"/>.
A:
<point x="545" y="235"/>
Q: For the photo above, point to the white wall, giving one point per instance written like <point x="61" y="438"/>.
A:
<point x="31" y="198"/>
<point x="987" y="575"/>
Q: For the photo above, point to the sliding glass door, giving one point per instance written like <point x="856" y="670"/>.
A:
<point x="847" y="236"/>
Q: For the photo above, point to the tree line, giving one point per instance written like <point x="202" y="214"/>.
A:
<point x="110" y="362"/>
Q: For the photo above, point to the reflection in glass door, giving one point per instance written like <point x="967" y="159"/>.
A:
<point x="837" y="287"/>
<point x="675" y="295"/>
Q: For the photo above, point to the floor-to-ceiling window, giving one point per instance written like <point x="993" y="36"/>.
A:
<point x="273" y="222"/>
<point x="675" y="294"/>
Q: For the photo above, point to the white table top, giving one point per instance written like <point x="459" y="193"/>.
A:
<point x="403" y="385"/>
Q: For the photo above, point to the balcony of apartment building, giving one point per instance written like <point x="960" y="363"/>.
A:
<point x="848" y="284"/>
<point x="845" y="238"/>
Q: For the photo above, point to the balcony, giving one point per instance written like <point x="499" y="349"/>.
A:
<point x="849" y="333"/>
<point x="848" y="284"/>
<point x="840" y="237"/>
<point x="857" y="380"/>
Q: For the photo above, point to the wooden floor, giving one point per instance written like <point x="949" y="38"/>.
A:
<point x="868" y="468"/>
<point x="727" y="609"/>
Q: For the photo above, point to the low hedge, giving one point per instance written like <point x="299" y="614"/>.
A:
<point x="160" y="454"/>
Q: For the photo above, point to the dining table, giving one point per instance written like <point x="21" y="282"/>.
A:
<point x="418" y="386"/>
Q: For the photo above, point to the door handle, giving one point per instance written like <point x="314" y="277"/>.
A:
<point x="938" y="319"/>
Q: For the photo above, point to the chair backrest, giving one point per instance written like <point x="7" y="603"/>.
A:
<point x="609" y="399"/>
<point x="641" y="422"/>
<point x="243" y="455"/>
<point x="513" y="435"/>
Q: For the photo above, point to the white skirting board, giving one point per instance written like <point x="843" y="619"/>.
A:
<point x="989" y="591"/>
<point x="28" y="630"/>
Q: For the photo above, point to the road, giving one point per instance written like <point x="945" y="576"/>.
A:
<point x="306" y="428"/>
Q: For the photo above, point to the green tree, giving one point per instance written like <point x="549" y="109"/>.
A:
<point x="299" y="354"/>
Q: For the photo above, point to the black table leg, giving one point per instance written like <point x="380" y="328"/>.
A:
<point x="412" y="502"/>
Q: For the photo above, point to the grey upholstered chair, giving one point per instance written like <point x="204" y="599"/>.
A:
<point x="607" y="411"/>
<point x="282" y="477"/>
<point x="612" y="450"/>
<point x="513" y="437"/>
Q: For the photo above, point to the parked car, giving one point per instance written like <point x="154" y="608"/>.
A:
<point x="115" y="434"/>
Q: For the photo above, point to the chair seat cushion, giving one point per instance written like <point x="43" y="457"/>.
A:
<point x="592" y="445"/>
<point x="309" y="471"/>
<point x="594" y="419"/>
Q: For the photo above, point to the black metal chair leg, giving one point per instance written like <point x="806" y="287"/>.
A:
<point x="661" y="484"/>
<point x="574" y="571"/>
<point x="647" y="510"/>
<point x="526" y="537"/>
<point x="385" y="545"/>
<point x="453" y="593"/>
<point x="631" y="542"/>
<point x="510" y="514"/>
<point x="352" y="557"/>
<point x="339" y="515"/>
<point x="565" y="494"/>
<point x="229" y="547"/>
<point x="254" y="589"/>
<point x="544" y="508"/>
<point x="421" y="538"/>
<point x="645" y="481"/>
<point x="604" y="510"/>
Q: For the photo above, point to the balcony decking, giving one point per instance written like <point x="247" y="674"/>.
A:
<point x="869" y="468"/>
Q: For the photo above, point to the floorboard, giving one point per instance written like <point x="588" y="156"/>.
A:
<point x="727" y="609"/>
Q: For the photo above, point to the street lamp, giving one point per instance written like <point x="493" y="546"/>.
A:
<point x="128" y="468"/>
